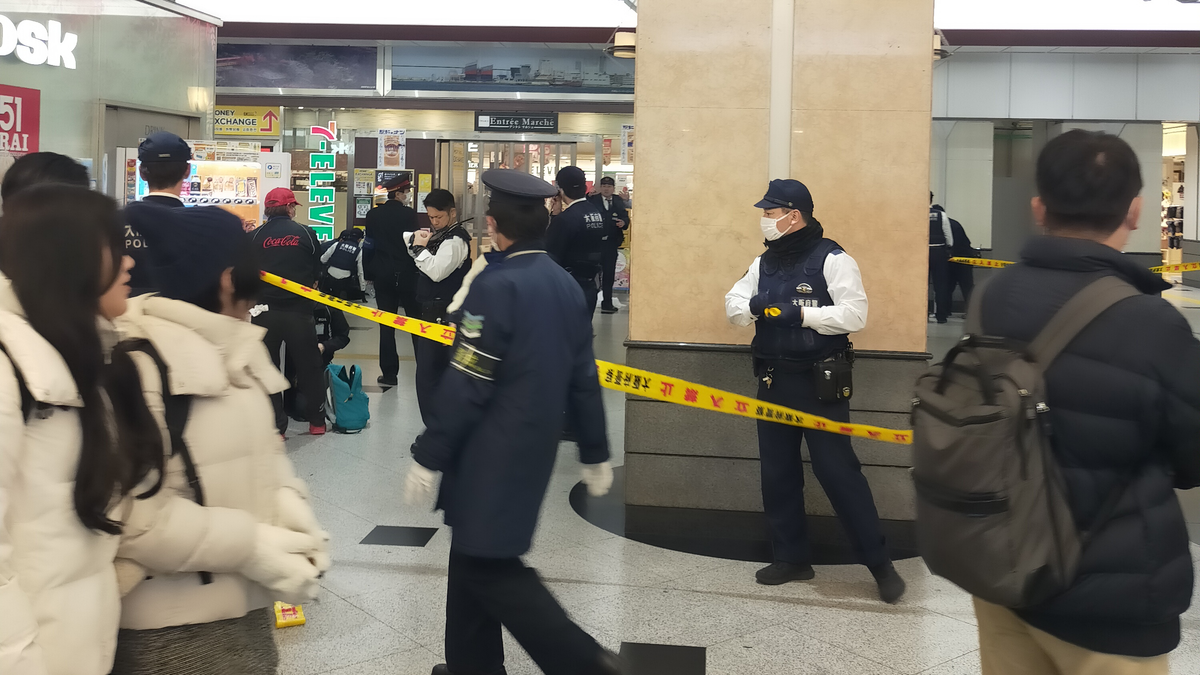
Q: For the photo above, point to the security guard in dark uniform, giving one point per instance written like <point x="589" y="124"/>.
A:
<point x="392" y="269"/>
<point x="941" y="247"/>
<point x="524" y="347"/>
<point x="576" y="237"/>
<point x="165" y="164"/>
<point x="805" y="295"/>
<point x="444" y="257"/>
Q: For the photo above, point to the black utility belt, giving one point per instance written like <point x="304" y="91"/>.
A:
<point x="833" y="377"/>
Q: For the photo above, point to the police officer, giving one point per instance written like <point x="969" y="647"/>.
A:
<point x="941" y="244"/>
<point x="524" y="346"/>
<point x="165" y="161"/>
<point x="804" y="295"/>
<point x="344" y="276"/>
<point x="962" y="276"/>
<point x="616" y="221"/>
<point x="576" y="236"/>
<point x="391" y="267"/>
<point x="443" y="257"/>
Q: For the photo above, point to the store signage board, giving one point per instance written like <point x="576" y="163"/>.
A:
<point x="37" y="43"/>
<point x="226" y="151"/>
<point x="321" y="170"/>
<point x="20" y="117"/>
<point x="520" y="122"/>
<point x="246" y="121"/>
<point x="1068" y="15"/>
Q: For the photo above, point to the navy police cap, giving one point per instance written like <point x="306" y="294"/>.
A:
<point x="164" y="146"/>
<point x="517" y="187"/>
<point x="787" y="194"/>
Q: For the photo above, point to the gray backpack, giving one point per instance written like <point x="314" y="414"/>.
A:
<point x="992" y="511"/>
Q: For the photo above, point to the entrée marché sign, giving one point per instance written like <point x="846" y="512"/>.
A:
<point x="535" y="122"/>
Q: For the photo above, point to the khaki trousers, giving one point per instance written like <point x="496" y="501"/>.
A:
<point x="1009" y="646"/>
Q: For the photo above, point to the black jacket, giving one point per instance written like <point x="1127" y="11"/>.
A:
<point x="385" y="253"/>
<point x="575" y="239"/>
<point x="292" y="251"/>
<point x="522" y="361"/>
<point x="140" y="281"/>
<point x="1125" y="410"/>
<point x="616" y="234"/>
<point x="333" y="331"/>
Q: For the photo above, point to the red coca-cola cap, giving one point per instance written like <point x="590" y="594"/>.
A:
<point x="280" y="197"/>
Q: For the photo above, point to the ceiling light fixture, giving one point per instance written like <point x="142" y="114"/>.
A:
<point x="622" y="44"/>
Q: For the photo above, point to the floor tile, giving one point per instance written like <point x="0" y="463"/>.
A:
<point x="967" y="664"/>
<point x="419" y="661"/>
<point x="659" y="616"/>
<point x="337" y="634"/>
<point x="782" y="651"/>
<point x="394" y="535"/>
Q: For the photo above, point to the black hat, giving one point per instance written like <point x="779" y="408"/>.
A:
<point x="787" y="194"/>
<point x="570" y="177"/>
<point x="164" y="146"/>
<point x="401" y="182"/>
<point x="186" y="249"/>
<point x="517" y="187"/>
<point x="608" y="180"/>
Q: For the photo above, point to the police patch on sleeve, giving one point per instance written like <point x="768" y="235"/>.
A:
<point x="474" y="362"/>
<point x="471" y="326"/>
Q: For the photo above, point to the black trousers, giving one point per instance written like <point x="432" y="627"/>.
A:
<point x="390" y="296"/>
<point x="297" y="331"/>
<point x="962" y="276"/>
<point x="486" y="593"/>
<point x="590" y="291"/>
<point x="346" y="289"/>
<point x="835" y="465"/>
<point x="939" y="276"/>
<point x="433" y="358"/>
<point x="608" y="272"/>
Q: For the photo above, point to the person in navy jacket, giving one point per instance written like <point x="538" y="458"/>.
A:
<point x="523" y="348"/>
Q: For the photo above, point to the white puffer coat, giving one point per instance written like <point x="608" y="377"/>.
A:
<point x="59" y="602"/>
<point x="222" y="364"/>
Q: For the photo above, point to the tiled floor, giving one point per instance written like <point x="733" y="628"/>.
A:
<point x="381" y="610"/>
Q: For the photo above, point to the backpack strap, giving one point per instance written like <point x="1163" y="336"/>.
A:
<point x="177" y="408"/>
<point x="1077" y="314"/>
<point x="27" y="401"/>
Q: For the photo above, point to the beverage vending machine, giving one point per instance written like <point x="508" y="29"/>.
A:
<point x="234" y="175"/>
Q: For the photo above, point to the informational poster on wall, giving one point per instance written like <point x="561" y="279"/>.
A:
<point x="424" y="187"/>
<point x="621" y="280"/>
<point x="391" y="149"/>
<point x="364" y="182"/>
<point x="362" y="206"/>
<point x="627" y="144"/>
<point x="607" y="151"/>
<point x="20" y="117"/>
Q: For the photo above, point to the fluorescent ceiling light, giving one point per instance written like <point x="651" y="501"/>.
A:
<point x="1141" y="15"/>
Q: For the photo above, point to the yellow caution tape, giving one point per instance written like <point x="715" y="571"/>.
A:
<point x="981" y="262"/>
<point x="1184" y="267"/>
<point x="624" y="378"/>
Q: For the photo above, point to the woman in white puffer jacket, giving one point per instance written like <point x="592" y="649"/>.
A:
<point x="213" y="618"/>
<point x="75" y="435"/>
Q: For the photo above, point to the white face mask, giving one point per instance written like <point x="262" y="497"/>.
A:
<point x="770" y="226"/>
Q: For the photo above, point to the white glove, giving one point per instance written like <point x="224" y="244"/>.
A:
<point x="418" y="487"/>
<point x="297" y="515"/>
<point x="280" y="562"/>
<point x="598" y="478"/>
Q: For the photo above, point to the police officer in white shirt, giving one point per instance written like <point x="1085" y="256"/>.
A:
<point x="804" y="296"/>
<point x="443" y="257"/>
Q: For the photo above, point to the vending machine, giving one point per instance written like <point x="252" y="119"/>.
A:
<point x="234" y="175"/>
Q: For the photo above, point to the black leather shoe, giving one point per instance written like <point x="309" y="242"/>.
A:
<point x="891" y="586"/>
<point x="608" y="310"/>
<point x="386" y="381"/>
<point x="441" y="669"/>
<point x="782" y="572"/>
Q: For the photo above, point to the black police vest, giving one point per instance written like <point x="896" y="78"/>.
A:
<point x="801" y="283"/>
<point x="586" y="254"/>
<point x="345" y="256"/>
<point x="435" y="296"/>
<point x="937" y="236"/>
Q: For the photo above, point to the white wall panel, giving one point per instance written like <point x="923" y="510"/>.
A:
<point x="1105" y="87"/>
<point x="978" y="85"/>
<point x="941" y="77"/>
<point x="969" y="178"/>
<point x="1168" y="87"/>
<point x="1043" y="86"/>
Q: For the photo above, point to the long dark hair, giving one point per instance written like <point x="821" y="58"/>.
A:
<point x="62" y="246"/>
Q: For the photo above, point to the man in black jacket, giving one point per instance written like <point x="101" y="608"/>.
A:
<point x="391" y="268"/>
<point x="616" y="221"/>
<point x="575" y="238"/>
<point x="1125" y="414"/>
<point x="292" y="251"/>
<point x="962" y="276"/>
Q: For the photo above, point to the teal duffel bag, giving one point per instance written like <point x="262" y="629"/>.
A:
<point x="346" y="404"/>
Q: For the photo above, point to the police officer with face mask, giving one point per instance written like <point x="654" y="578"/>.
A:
<point x="804" y="296"/>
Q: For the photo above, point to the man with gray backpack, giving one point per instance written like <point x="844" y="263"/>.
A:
<point x="1049" y="442"/>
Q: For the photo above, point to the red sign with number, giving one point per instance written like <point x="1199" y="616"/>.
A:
<point x="20" y="117"/>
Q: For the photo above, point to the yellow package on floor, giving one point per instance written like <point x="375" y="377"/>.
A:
<point x="288" y="615"/>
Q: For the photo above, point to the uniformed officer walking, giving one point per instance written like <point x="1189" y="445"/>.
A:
<point x="443" y="257"/>
<point x="391" y="267"/>
<point x="165" y="163"/>
<point x="805" y="295"/>
<point x="524" y="347"/>
<point x="576" y="236"/>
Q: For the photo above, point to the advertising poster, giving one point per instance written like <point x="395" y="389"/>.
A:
<point x="382" y="177"/>
<point x="627" y="144"/>
<point x="424" y="187"/>
<point x="364" y="182"/>
<point x="391" y="149"/>
<point x="20" y="116"/>
<point x="607" y="151"/>
<point x="621" y="280"/>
